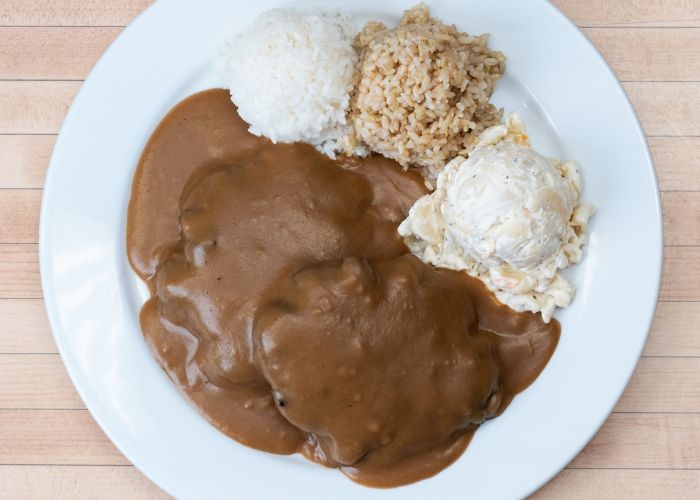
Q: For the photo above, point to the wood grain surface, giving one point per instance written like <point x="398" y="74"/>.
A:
<point x="51" y="448"/>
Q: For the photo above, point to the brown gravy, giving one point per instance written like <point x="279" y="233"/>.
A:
<point x="286" y="307"/>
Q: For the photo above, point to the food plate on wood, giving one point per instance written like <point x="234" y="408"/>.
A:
<point x="420" y="244"/>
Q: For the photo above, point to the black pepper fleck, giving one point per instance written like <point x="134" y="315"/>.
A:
<point x="279" y="399"/>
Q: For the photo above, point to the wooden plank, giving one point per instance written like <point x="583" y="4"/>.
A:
<point x="69" y="483"/>
<point x="632" y="12"/>
<point x="19" y="211"/>
<point x="24" y="327"/>
<point x="650" y="54"/>
<point x="677" y="161"/>
<point x="19" y="208"/>
<point x="675" y="331"/>
<point x="70" y="12"/>
<point x="663" y="385"/>
<point x="52" y="53"/>
<point x="681" y="274"/>
<point x="34" y="107"/>
<point x="644" y="441"/>
<point x="666" y="108"/>
<point x="626" y="440"/>
<point x="575" y="484"/>
<point x="681" y="218"/>
<point x="19" y="272"/>
<point x="121" y="12"/>
<point x="659" y="385"/>
<point x="54" y="437"/>
<point x="56" y="53"/>
<point x="24" y="159"/>
<point x="36" y="381"/>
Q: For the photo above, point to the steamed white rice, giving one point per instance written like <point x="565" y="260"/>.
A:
<point x="291" y="76"/>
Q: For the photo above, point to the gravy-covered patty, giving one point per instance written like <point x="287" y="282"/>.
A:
<point x="287" y="308"/>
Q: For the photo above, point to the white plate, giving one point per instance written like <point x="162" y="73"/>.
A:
<point x="573" y="107"/>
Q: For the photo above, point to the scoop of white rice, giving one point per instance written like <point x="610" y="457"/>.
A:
<point x="291" y="76"/>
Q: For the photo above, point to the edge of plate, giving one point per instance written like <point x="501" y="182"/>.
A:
<point x="45" y="264"/>
<point x="658" y="227"/>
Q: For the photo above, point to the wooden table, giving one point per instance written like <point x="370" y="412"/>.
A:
<point x="51" y="448"/>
